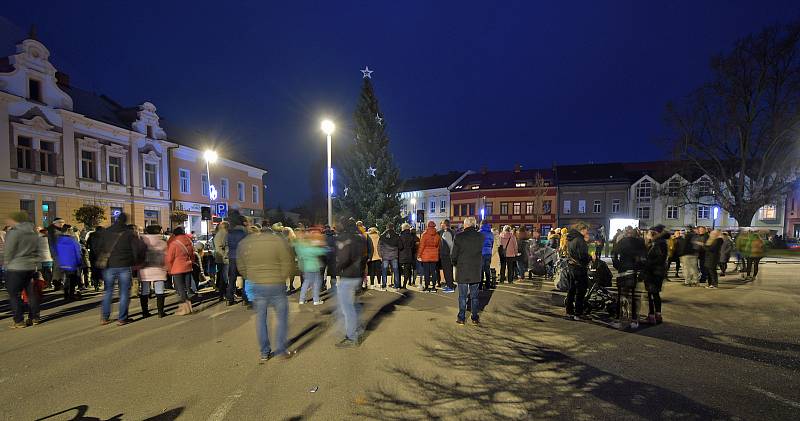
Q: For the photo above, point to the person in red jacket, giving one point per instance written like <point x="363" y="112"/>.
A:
<point x="428" y="254"/>
<point x="180" y="255"/>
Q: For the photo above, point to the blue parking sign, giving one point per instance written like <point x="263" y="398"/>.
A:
<point x="222" y="210"/>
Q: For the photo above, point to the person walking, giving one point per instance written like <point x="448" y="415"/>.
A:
<point x="375" y="257"/>
<point x="264" y="260"/>
<point x="688" y="256"/>
<point x="674" y="244"/>
<point x="179" y="258"/>
<point x="725" y="253"/>
<point x="153" y="273"/>
<point x="487" y="249"/>
<point x="508" y="255"/>
<point x="407" y="254"/>
<point x="467" y="257"/>
<point x="713" y="249"/>
<point x="351" y="263"/>
<point x="700" y="239"/>
<point x="45" y="258"/>
<point x="120" y="250"/>
<point x="600" y="239"/>
<point x="655" y="271"/>
<point x="577" y="274"/>
<point x="629" y="258"/>
<point x="221" y="259"/>
<point x="310" y="248"/>
<point x="446" y="246"/>
<point x="69" y="260"/>
<point x="754" y="251"/>
<point x="20" y="257"/>
<point x="388" y="245"/>
<point x="237" y="232"/>
<point x="53" y="231"/>
<point x="429" y="245"/>
<point x="329" y="268"/>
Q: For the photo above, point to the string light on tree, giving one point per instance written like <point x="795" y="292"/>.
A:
<point x="379" y="119"/>
<point x="371" y="171"/>
<point x="366" y="73"/>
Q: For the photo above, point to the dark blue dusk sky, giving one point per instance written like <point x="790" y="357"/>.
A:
<point x="462" y="84"/>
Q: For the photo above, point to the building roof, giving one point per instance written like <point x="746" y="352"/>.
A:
<point x="661" y="171"/>
<point x="591" y="173"/>
<point x="99" y="107"/>
<point x="486" y="180"/>
<point x="436" y="181"/>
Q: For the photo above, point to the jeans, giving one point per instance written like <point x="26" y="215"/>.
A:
<point x="144" y="287"/>
<point x="265" y="296"/>
<point x="395" y="273"/>
<point x="182" y="283"/>
<point x="110" y="277"/>
<point x="470" y="290"/>
<point x="691" y="274"/>
<point x="447" y="269"/>
<point x="486" y="270"/>
<point x="16" y="281"/>
<point x="576" y="295"/>
<point x="311" y="280"/>
<point x="430" y="274"/>
<point x="346" y="294"/>
<point x="222" y="278"/>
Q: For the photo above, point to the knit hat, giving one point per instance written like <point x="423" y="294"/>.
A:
<point x="431" y="224"/>
<point x="58" y="221"/>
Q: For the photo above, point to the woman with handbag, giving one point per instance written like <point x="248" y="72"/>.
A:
<point x="508" y="255"/>
<point x="153" y="273"/>
<point x="180" y="256"/>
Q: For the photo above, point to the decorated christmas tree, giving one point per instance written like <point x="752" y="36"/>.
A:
<point x="368" y="176"/>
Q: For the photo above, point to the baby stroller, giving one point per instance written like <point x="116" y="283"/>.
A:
<point x="598" y="298"/>
<point x="542" y="262"/>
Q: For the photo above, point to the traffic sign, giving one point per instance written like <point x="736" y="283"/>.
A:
<point x="222" y="210"/>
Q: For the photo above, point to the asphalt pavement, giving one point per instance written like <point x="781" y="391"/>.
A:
<point x="730" y="353"/>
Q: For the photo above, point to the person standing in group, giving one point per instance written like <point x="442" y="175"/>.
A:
<point x="523" y="238"/>
<point x="20" y="258"/>
<point x="753" y="251"/>
<point x="388" y="245"/>
<point x="264" y="260"/>
<point x="329" y="267"/>
<point x="45" y="258"/>
<point x="120" y="250"/>
<point x="69" y="260"/>
<point x="153" y="273"/>
<point x="468" y="259"/>
<point x="655" y="271"/>
<point x="374" y="268"/>
<point x="179" y="258"/>
<point x="351" y="263"/>
<point x="688" y="256"/>
<point x="53" y="231"/>
<point x="713" y="248"/>
<point x="93" y="244"/>
<point x="600" y="239"/>
<point x="554" y="238"/>
<point x="725" y="253"/>
<point x="488" y="247"/>
<point x="407" y="254"/>
<point x="508" y="255"/>
<point x="310" y="248"/>
<point x="429" y="245"/>
<point x="237" y="232"/>
<point x="701" y="238"/>
<point x="674" y="244"/>
<point x="577" y="272"/>
<point x="446" y="247"/>
<point x="221" y="258"/>
<point x="629" y="258"/>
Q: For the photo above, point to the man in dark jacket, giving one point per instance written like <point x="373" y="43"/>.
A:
<point x="577" y="269"/>
<point x="486" y="255"/>
<point x="124" y="250"/>
<point x="446" y="245"/>
<point x="466" y="257"/>
<point x="236" y="234"/>
<point x="629" y="257"/>
<point x="407" y="254"/>
<point x="351" y="264"/>
<point x="329" y="261"/>
<point x="389" y="248"/>
<point x="93" y="245"/>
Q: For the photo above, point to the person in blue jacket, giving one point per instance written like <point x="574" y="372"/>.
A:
<point x="68" y="254"/>
<point x="486" y="254"/>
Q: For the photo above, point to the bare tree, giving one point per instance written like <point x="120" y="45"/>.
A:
<point x="742" y="128"/>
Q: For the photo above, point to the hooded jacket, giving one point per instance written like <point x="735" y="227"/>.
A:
<point x="68" y="252"/>
<point x="429" y="245"/>
<point x="629" y="253"/>
<point x="234" y="237"/>
<point x="180" y="254"/>
<point x="265" y="258"/>
<point x="351" y="253"/>
<point x="389" y="245"/>
<point x="408" y="247"/>
<point x="488" y="240"/>
<point x="656" y="265"/>
<point x="22" y="247"/>
<point x="578" y="250"/>
<point x="127" y="250"/>
<point x="467" y="250"/>
<point x="155" y="268"/>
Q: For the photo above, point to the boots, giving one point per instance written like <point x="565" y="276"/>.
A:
<point x="160" y="304"/>
<point x="143" y="300"/>
<point x="188" y="307"/>
<point x="181" y="311"/>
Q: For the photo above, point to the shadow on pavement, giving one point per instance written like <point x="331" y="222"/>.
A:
<point x="307" y="413"/>
<point x="80" y="413"/>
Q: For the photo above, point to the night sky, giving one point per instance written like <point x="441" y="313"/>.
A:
<point x="462" y="84"/>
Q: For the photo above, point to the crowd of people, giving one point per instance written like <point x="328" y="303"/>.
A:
<point x="257" y="265"/>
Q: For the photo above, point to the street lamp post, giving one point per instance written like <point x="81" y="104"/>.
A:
<point x="414" y="214"/>
<point x="210" y="157"/>
<point x="327" y="127"/>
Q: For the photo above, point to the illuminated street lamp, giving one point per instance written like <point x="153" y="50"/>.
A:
<point x="328" y="127"/>
<point x="211" y="157"/>
<point x="414" y="212"/>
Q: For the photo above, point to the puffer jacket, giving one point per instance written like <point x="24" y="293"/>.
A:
<point x="221" y="246"/>
<point x="69" y="253"/>
<point x="265" y="258"/>
<point x="488" y="240"/>
<point x="408" y="247"/>
<point x="577" y="249"/>
<point x="629" y="253"/>
<point x="656" y="266"/>
<point x="234" y="237"/>
<point x="374" y="238"/>
<point x="351" y="254"/>
<point x="389" y="245"/>
<point x="445" y="248"/>
<point x="180" y="254"/>
<point x="429" y="245"/>
<point x="509" y="243"/>
<point x="155" y="268"/>
<point x="22" y="247"/>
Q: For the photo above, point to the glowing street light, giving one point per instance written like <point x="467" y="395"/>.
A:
<point x="211" y="157"/>
<point x="328" y="127"/>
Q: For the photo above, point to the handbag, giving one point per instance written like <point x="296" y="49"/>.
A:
<point x="501" y="250"/>
<point x="103" y="256"/>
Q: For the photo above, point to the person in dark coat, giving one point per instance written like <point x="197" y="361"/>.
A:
<point x="655" y="271"/>
<point x="389" y="249"/>
<point x="599" y="273"/>
<point x="487" y="280"/>
<point x="351" y="261"/>
<point x="407" y="254"/>
<point x="236" y="234"/>
<point x="713" y="248"/>
<point x="577" y="270"/>
<point x="329" y="260"/>
<point x="448" y="236"/>
<point x="125" y="251"/>
<point x="466" y="257"/>
<point x="629" y="256"/>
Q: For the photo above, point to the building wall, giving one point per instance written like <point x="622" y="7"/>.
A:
<point x="605" y="193"/>
<point x="423" y="199"/>
<point x="480" y="199"/>
<point x="793" y="213"/>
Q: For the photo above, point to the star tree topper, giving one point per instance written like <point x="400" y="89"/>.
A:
<point x="371" y="171"/>
<point x="366" y="73"/>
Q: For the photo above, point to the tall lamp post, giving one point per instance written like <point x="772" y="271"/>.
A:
<point x="211" y="157"/>
<point x="414" y="214"/>
<point x="328" y="127"/>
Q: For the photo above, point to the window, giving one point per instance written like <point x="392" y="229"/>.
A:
<point x="150" y="131"/>
<point x="567" y="207"/>
<point x="34" y="90"/>
<point x="115" y="169"/>
<point x="240" y="191"/>
<point x="223" y="188"/>
<point x="150" y="176"/>
<point x="581" y="206"/>
<point x="204" y="185"/>
<point x="48" y="212"/>
<point x="529" y="208"/>
<point x="442" y="206"/>
<point x="184" y="181"/>
<point x="471" y="209"/>
<point x="255" y="194"/>
<point x="517" y="208"/>
<point x="672" y="212"/>
<point x="596" y="207"/>
<point x="433" y="206"/>
<point x="615" y="205"/>
<point x="643" y="212"/>
<point x="704" y="188"/>
<point x="456" y="210"/>
<point x="24" y="153"/>
<point x="767" y="212"/>
<point x="151" y="217"/>
<point x="673" y="187"/>
<point x="703" y="212"/>
<point x="47" y="157"/>
<point x="644" y="191"/>
<point x="503" y="208"/>
<point x="422" y="205"/>
<point x="88" y="167"/>
<point x="29" y="207"/>
<point x="488" y="208"/>
<point x="547" y="207"/>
